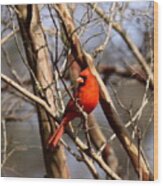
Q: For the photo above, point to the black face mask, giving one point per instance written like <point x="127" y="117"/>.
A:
<point x="84" y="82"/>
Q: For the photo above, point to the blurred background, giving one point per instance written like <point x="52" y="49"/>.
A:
<point x="21" y="151"/>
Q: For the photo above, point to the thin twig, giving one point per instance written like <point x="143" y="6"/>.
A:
<point x="4" y="140"/>
<point x="10" y="35"/>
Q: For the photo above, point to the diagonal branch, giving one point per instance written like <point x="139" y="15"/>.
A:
<point x="28" y="94"/>
<point x="6" y="38"/>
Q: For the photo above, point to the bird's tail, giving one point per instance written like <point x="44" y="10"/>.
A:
<point x="54" y="139"/>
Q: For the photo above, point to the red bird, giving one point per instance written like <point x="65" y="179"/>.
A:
<point x="87" y="96"/>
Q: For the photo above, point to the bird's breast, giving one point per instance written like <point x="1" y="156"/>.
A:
<point x="88" y="100"/>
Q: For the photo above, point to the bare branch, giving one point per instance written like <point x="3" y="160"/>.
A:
<point x="27" y="94"/>
<point x="6" y="38"/>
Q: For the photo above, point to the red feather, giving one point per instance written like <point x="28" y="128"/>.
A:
<point x="87" y="96"/>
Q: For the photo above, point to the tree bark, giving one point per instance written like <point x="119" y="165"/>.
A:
<point x="42" y="76"/>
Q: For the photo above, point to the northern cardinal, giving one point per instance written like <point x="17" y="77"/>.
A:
<point x="86" y="95"/>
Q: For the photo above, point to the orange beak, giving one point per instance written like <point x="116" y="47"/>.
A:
<point x="80" y="80"/>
